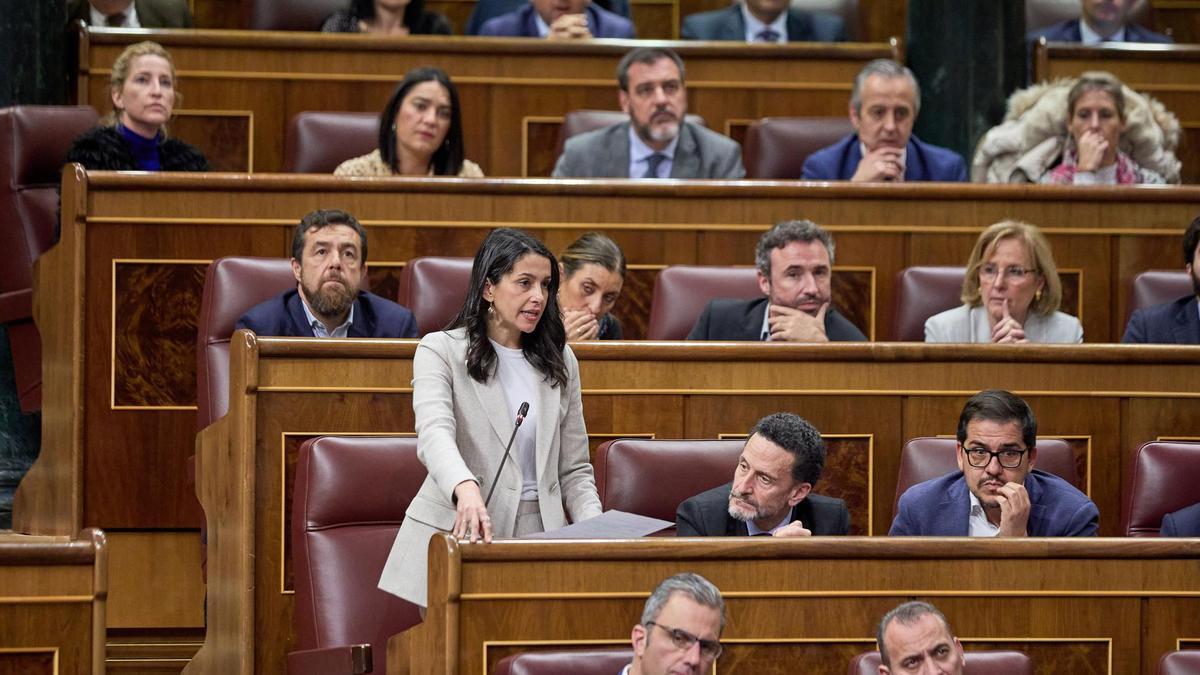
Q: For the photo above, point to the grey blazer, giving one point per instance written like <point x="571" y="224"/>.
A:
<point x="604" y="153"/>
<point x="970" y="324"/>
<point x="462" y="428"/>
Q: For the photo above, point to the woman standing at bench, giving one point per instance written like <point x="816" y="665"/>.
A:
<point x="420" y="132"/>
<point x="504" y="359"/>
<point x="133" y="137"/>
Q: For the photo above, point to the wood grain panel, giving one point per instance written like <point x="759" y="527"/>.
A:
<point x="155" y="583"/>
<point x="500" y="80"/>
<point x="1180" y="17"/>
<point x="225" y="137"/>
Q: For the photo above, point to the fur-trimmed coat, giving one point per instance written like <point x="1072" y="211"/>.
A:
<point x="1031" y="139"/>
<point x="103" y="149"/>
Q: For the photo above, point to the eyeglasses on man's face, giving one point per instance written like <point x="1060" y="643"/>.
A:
<point x="980" y="457"/>
<point x="683" y="640"/>
<point x="1012" y="273"/>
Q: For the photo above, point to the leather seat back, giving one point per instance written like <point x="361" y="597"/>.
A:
<point x="317" y="142"/>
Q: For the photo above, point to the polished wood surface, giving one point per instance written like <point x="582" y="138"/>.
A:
<point x="52" y="603"/>
<point x="1169" y="73"/>
<point x="1108" y="399"/>
<point x="125" y="281"/>
<point x="819" y="599"/>
<point x="511" y="89"/>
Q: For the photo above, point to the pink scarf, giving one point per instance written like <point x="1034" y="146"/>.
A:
<point x="1064" y="173"/>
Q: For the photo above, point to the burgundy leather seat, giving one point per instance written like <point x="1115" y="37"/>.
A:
<point x="1042" y="13"/>
<point x="292" y="14"/>
<point x="682" y="291"/>
<point x="977" y="663"/>
<point x="348" y="501"/>
<point x="1165" y="478"/>
<point x="575" y="662"/>
<point x="232" y="285"/>
<point x="434" y="288"/>
<point x="1154" y="287"/>
<point x="317" y="142"/>
<point x="652" y="477"/>
<point x="928" y="457"/>
<point x="776" y="147"/>
<point x="577" y="122"/>
<point x="36" y="141"/>
<point x="1182" y="662"/>
<point x="922" y="292"/>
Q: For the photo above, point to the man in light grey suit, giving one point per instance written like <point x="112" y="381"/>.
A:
<point x="657" y="141"/>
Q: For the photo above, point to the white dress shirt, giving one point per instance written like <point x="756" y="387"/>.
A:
<point x="754" y="26"/>
<point x="131" y="17"/>
<point x="978" y="524"/>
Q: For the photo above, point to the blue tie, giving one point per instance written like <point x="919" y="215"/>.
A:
<point x="652" y="164"/>
<point x="767" y="35"/>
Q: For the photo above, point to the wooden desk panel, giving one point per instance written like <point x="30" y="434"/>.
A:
<point x="486" y="601"/>
<point x="501" y="81"/>
<point x="52" y="603"/>
<point x="142" y="242"/>
<point x="885" y="393"/>
<point x="1170" y="73"/>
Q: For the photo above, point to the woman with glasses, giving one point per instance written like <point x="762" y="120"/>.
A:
<point x="1010" y="293"/>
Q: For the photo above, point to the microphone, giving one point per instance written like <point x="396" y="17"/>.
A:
<point x="521" y="412"/>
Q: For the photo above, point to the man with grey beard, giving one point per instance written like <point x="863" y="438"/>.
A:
<point x="657" y="141"/>
<point x="329" y="261"/>
<point x="771" y="493"/>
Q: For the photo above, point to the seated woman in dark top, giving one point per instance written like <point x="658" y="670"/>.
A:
<point x="593" y="273"/>
<point x="387" y="17"/>
<point x="134" y="136"/>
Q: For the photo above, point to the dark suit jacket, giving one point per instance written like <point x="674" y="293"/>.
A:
<point x="729" y="24"/>
<point x="151" y="13"/>
<point x="604" y="153"/>
<point x="1068" y="31"/>
<point x="923" y="162"/>
<point x="522" y="23"/>
<point x="941" y="507"/>
<point x="374" y="317"/>
<point x="1169" y="323"/>
<point x="707" y="515"/>
<point x="485" y="10"/>
<point x="729" y="319"/>
<point x="1183" y="523"/>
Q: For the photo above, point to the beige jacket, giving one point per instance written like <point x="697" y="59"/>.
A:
<point x="462" y="428"/>
<point x="372" y="164"/>
<point x="1033" y="135"/>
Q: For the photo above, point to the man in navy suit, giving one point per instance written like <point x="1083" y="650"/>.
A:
<point x="1182" y="523"/>
<point x="996" y="491"/>
<point x="1178" y="321"/>
<point x="765" y="21"/>
<point x="1099" y="21"/>
<point x="884" y="103"/>
<point x="329" y="261"/>
<point x="559" y="19"/>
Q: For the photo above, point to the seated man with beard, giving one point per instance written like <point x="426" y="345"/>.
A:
<point x="771" y="489"/>
<point x="329" y="260"/>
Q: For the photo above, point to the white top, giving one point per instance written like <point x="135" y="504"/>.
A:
<point x="970" y="324"/>
<point x="754" y="26"/>
<point x="519" y="381"/>
<point x="1103" y="176"/>
<point x="977" y="523"/>
<point x="101" y="19"/>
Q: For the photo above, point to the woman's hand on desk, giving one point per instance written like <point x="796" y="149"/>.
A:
<point x="471" y="520"/>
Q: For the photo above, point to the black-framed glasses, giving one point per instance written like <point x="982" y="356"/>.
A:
<point x="683" y="640"/>
<point x="981" y="457"/>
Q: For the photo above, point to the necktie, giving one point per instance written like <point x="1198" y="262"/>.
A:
<point x="115" y="20"/>
<point x="652" y="164"/>
<point x="767" y="35"/>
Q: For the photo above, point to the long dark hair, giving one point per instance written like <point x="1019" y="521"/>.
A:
<point x="543" y="348"/>
<point x="447" y="160"/>
<point x="413" y="13"/>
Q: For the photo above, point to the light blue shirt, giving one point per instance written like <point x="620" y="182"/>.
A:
<point x="543" y="28"/>
<point x="318" y="327"/>
<point x="1088" y="36"/>
<point x="752" y="529"/>
<point x="754" y="26"/>
<point x="639" y="151"/>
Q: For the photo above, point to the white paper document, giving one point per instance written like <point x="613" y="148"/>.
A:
<point x="607" y="525"/>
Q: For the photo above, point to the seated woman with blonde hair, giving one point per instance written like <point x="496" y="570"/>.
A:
<point x="1010" y="293"/>
<point x="420" y="132"/>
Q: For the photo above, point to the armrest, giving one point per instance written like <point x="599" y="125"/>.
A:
<point x="349" y="659"/>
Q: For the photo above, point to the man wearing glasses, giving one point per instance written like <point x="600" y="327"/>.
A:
<point x="680" y="630"/>
<point x="996" y="491"/>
